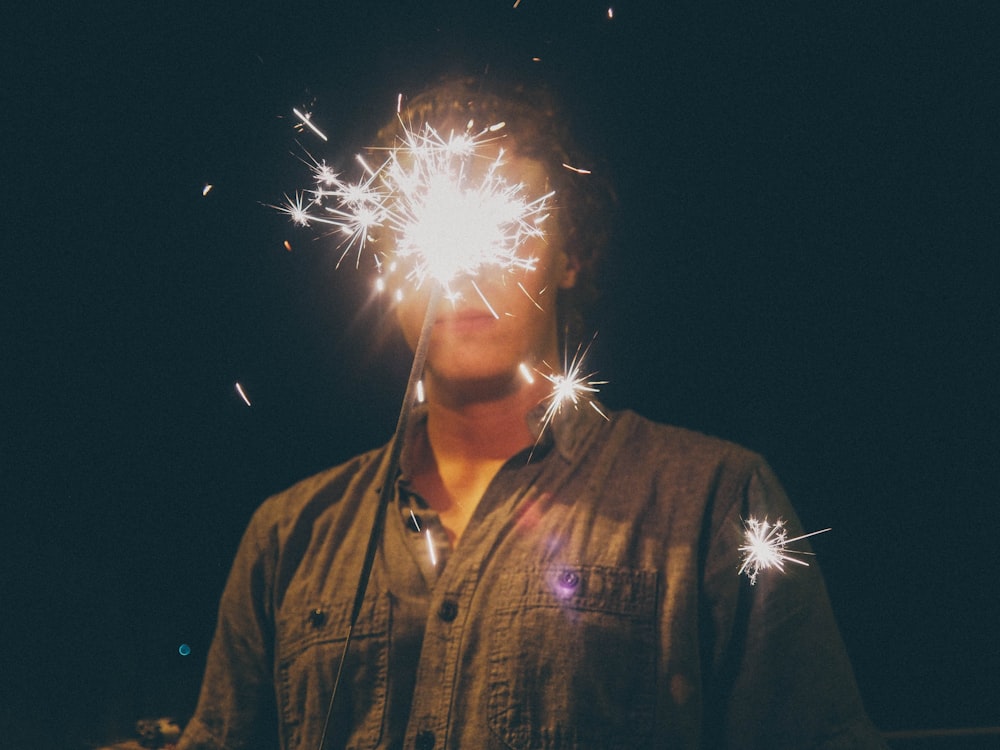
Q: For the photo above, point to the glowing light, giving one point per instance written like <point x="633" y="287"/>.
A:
<point x="571" y="387"/>
<point x="243" y="395"/>
<point x="430" y="547"/>
<point x="526" y="373"/>
<point x="447" y="210"/>
<point x="766" y="546"/>
<point x="207" y="189"/>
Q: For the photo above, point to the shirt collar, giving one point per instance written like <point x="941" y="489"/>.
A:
<point x="568" y="430"/>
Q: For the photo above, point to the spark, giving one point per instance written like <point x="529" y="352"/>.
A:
<point x="442" y="205"/>
<point x="485" y="301"/>
<point x="309" y="123"/>
<point x="526" y="373"/>
<point x="571" y="387"/>
<point x="207" y="189"/>
<point x="766" y="546"/>
<point x="430" y="547"/>
<point x="528" y="295"/>
<point x="243" y="395"/>
<point x="297" y="209"/>
<point x="578" y="170"/>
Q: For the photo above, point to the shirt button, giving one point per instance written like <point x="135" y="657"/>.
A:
<point x="569" y="579"/>
<point x="425" y="740"/>
<point x="448" y="610"/>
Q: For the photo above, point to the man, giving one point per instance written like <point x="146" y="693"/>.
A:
<point x="572" y="587"/>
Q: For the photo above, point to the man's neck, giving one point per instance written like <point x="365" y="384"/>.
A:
<point x="482" y="429"/>
<point x="467" y="441"/>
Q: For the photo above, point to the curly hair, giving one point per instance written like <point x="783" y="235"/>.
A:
<point x="538" y="129"/>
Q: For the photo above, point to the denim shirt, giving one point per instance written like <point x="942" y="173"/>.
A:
<point x="594" y="601"/>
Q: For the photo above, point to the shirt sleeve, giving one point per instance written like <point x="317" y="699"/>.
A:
<point x="778" y="672"/>
<point x="236" y="706"/>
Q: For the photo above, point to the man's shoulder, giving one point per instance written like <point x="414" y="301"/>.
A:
<point x="678" y="442"/>
<point x="321" y="490"/>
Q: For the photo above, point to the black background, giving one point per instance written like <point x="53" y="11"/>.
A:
<point x="805" y="262"/>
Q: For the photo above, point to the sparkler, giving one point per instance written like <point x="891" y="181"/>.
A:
<point x="766" y="546"/>
<point x="448" y="210"/>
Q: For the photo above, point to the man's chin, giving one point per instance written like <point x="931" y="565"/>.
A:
<point x="470" y="387"/>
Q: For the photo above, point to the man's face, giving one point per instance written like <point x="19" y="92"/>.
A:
<point x="471" y="349"/>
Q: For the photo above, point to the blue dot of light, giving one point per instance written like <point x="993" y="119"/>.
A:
<point x="184" y="650"/>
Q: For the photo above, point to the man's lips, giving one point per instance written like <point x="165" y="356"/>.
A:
<point x="465" y="319"/>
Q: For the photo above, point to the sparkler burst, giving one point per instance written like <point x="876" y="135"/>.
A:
<point x="570" y="387"/>
<point x="766" y="546"/>
<point x="442" y="200"/>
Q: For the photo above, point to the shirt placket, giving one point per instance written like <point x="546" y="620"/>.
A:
<point x="426" y="538"/>
<point x="438" y="673"/>
<point x="450" y="607"/>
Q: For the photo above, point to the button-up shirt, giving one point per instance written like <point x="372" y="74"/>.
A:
<point x="594" y="601"/>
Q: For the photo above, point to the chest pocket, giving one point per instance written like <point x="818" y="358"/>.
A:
<point x="310" y="643"/>
<point x="573" y="658"/>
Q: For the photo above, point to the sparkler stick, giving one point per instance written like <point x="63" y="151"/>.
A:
<point x="766" y="547"/>
<point x="391" y="466"/>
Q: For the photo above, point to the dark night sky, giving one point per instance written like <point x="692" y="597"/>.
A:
<point x="805" y="262"/>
